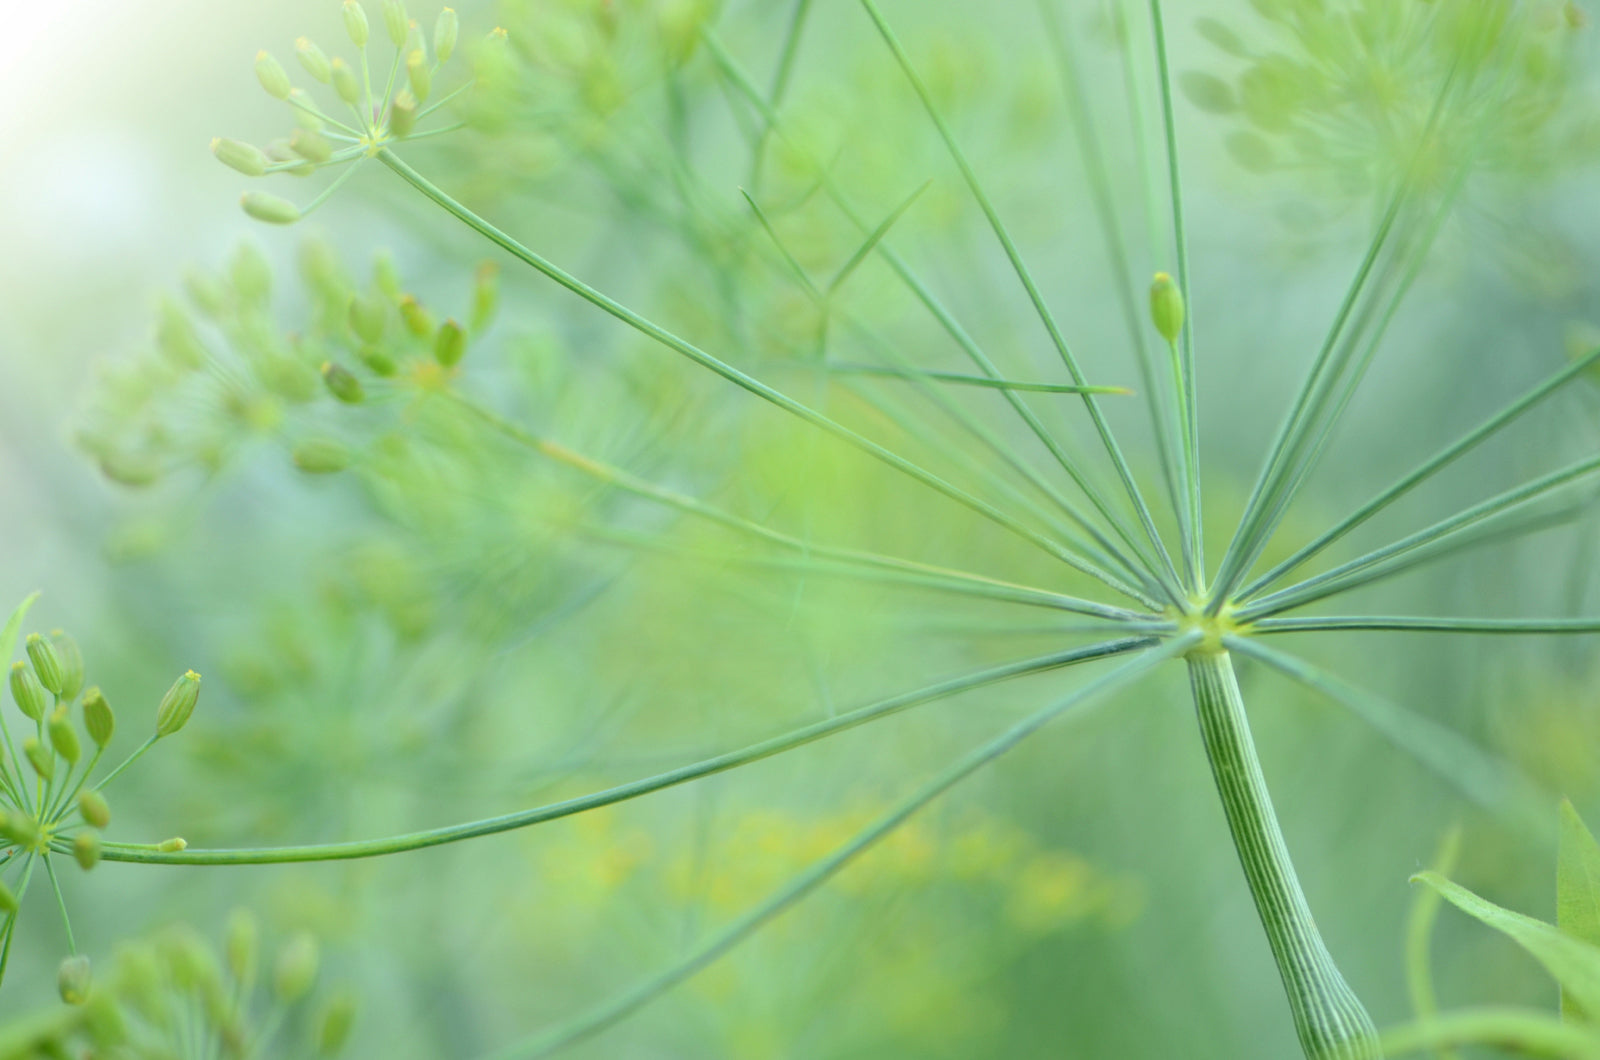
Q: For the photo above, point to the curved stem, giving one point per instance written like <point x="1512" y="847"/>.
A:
<point x="720" y="764"/>
<point x="1328" y="1017"/>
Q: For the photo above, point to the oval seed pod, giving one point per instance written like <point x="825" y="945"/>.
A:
<point x="63" y="737"/>
<point x="375" y="359"/>
<point x="71" y="657"/>
<point x="342" y="383"/>
<point x="93" y="807"/>
<point x="42" y="761"/>
<point x="445" y="32"/>
<point x="8" y="899"/>
<point x="45" y="663"/>
<point x="396" y="21"/>
<point x="344" y="81"/>
<point x="418" y="75"/>
<point x="485" y="295"/>
<point x="86" y="850"/>
<point x="313" y="59"/>
<point x="73" y="980"/>
<point x="402" y="114"/>
<point x="296" y="968"/>
<point x="178" y="704"/>
<point x="321" y="456"/>
<point x="1166" y="307"/>
<point x="269" y="208"/>
<point x="173" y="845"/>
<point x="311" y="146"/>
<point x="368" y="316"/>
<point x="27" y="691"/>
<point x="240" y="156"/>
<point x="98" y="720"/>
<point x="355" y="23"/>
<point x="451" y="345"/>
<point x="272" y="76"/>
<point x="417" y="319"/>
<point x="241" y="945"/>
<point x="333" y="1026"/>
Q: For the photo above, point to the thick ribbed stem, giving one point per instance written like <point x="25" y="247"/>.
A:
<point x="1331" y="1021"/>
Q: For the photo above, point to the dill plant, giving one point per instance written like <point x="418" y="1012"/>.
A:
<point x="1117" y="545"/>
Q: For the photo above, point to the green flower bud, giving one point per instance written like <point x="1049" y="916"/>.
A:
<point x="272" y="76"/>
<point x="321" y="456"/>
<point x="396" y="21"/>
<point x="296" y="969"/>
<point x="445" y="31"/>
<point x="63" y="737"/>
<point x="451" y="344"/>
<point x="269" y="208"/>
<point x="206" y="292"/>
<point x="368" y="315"/>
<point x="417" y="319"/>
<point x="377" y="361"/>
<point x="73" y="980"/>
<point x="344" y="82"/>
<point x="236" y="154"/>
<point x="333" y="1026"/>
<point x="342" y="384"/>
<point x="418" y="75"/>
<point x="402" y="114"/>
<point x="45" y="663"/>
<point x="71" y="657"/>
<point x="241" y="945"/>
<point x="173" y="845"/>
<point x="42" y="761"/>
<point x="178" y="704"/>
<point x="355" y="23"/>
<point x="27" y="691"/>
<point x="86" y="850"/>
<point x="19" y="830"/>
<point x="313" y="59"/>
<point x="311" y="146"/>
<point x="1166" y="307"/>
<point x="97" y="717"/>
<point x="8" y="900"/>
<point x="485" y="295"/>
<point x="93" y="807"/>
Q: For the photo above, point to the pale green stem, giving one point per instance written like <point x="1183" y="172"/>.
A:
<point x="1328" y="1017"/>
<point x="61" y="903"/>
<point x="130" y="760"/>
<point x="622" y="793"/>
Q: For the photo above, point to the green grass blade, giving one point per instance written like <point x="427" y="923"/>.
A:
<point x="1525" y="1032"/>
<point x="622" y="793"/>
<point x="969" y="175"/>
<point x="789" y="259"/>
<point x="1480" y="777"/>
<point x="780" y="84"/>
<point x="611" y="1012"/>
<point x="874" y="238"/>
<point x="1577" y="887"/>
<point x="1419" y="938"/>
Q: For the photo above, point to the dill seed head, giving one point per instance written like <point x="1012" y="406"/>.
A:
<point x="396" y="22"/>
<point x="93" y="807"/>
<point x="296" y="968"/>
<point x="71" y="657"/>
<point x="241" y="945"/>
<point x="73" y="980"/>
<point x="86" y="850"/>
<point x="314" y="60"/>
<point x="355" y="23"/>
<point x="1166" y="307"/>
<point x="269" y="208"/>
<point x="450" y="345"/>
<point x="178" y="704"/>
<point x="46" y="663"/>
<point x="27" y="692"/>
<point x="342" y="383"/>
<point x="8" y="899"/>
<point x="63" y="737"/>
<point x="446" y="30"/>
<point x="344" y="81"/>
<point x="321" y="456"/>
<point x="40" y="758"/>
<point x="272" y="76"/>
<point x="98" y="720"/>
<point x="240" y="156"/>
<point x="334" y="1023"/>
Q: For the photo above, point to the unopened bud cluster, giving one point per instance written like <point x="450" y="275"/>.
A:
<point x="357" y="123"/>
<point x="222" y="375"/>
<point x="51" y="802"/>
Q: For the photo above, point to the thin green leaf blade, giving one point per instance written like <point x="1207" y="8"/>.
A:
<point x="1577" y="887"/>
<point x="1572" y="962"/>
<point x="13" y="629"/>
